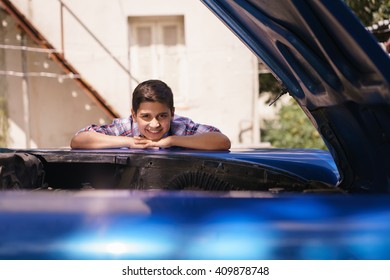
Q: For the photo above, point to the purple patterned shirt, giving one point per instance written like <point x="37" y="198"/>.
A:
<point x="180" y="126"/>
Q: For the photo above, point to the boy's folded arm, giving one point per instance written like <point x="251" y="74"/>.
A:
<point x="203" y="141"/>
<point x="96" y="140"/>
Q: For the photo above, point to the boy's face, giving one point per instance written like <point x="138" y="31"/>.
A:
<point x="154" y="119"/>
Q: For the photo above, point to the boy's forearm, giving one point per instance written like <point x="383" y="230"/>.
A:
<point x="95" y="140"/>
<point x="204" y="141"/>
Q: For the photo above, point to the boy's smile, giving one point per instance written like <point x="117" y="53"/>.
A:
<point x="153" y="119"/>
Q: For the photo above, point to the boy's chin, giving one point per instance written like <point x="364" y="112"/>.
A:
<point x="154" y="137"/>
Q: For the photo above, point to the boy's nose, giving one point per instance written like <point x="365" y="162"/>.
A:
<point x="154" y="123"/>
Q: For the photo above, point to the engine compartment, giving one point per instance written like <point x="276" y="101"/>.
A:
<point x="141" y="171"/>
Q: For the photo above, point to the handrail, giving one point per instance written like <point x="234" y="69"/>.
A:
<point x="39" y="39"/>
<point x="63" y="5"/>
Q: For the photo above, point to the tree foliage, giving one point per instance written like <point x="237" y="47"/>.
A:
<point x="3" y="122"/>
<point x="292" y="129"/>
<point x="370" y="11"/>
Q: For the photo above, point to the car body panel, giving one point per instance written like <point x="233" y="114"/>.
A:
<point x="308" y="164"/>
<point x="335" y="70"/>
<point x="292" y="170"/>
<point x="116" y="225"/>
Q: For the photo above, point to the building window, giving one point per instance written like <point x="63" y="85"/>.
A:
<point x="157" y="51"/>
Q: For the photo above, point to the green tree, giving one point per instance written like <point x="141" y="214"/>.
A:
<point x="370" y="11"/>
<point x="3" y="122"/>
<point x="292" y="129"/>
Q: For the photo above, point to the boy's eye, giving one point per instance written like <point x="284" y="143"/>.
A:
<point x="145" y="117"/>
<point x="148" y="117"/>
<point x="163" y="116"/>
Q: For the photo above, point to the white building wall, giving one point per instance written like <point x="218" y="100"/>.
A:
<point x="221" y="72"/>
<point x="43" y="110"/>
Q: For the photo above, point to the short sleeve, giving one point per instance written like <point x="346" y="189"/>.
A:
<point x="119" y="127"/>
<point x="183" y="126"/>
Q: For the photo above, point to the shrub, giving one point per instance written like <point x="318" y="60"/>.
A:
<point x="292" y="129"/>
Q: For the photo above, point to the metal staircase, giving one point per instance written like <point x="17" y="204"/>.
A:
<point x="102" y="98"/>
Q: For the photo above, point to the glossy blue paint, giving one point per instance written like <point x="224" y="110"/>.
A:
<point x="335" y="70"/>
<point x="185" y="225"/>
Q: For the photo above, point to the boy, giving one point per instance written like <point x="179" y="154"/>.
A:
<point x="152" y="124"/>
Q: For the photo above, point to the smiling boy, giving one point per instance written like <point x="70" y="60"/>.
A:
<point x="152" y="124"/>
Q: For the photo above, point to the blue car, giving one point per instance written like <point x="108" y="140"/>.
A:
<point x="241" y="204"/>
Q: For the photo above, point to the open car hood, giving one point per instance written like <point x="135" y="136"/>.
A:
<point x="334" y="69"/>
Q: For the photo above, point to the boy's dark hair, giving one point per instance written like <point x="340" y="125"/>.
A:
<point x="152" y="91"/>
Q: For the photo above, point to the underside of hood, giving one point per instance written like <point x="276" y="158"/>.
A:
<point x="334" y="68"/>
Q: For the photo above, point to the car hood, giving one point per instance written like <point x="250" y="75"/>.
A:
<point x="336" y="71"/>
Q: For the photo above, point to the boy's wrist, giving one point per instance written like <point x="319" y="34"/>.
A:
<point x="129" y="142"/>
<point x="172" y="140"/>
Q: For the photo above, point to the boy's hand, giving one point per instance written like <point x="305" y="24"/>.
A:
<point x="202" y="141"/>
<point x="143" y="143"/>
<point x="138" y="142"/>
